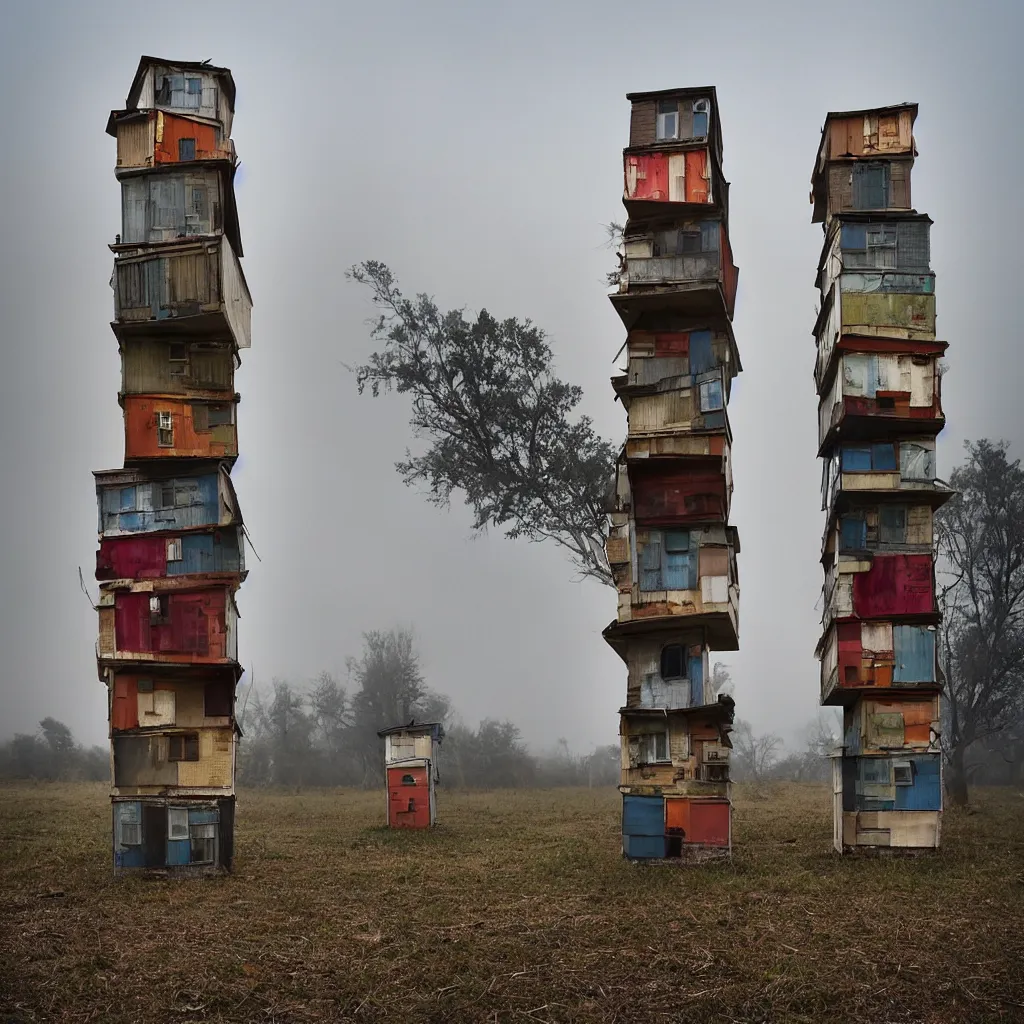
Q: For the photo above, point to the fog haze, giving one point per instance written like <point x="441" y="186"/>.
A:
<point x="477" y="149"/>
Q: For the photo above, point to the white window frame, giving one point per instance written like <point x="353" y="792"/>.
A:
<point x="205" y="833"/>
<point x="649" y="747"/>
<point x="179" y="364"/>
<point x="177" y="823"/>
<point x="164" y="425"/>
<point x="903" y="773"/>
<point x="173" y="549"/>
<point x="661" y="126"/>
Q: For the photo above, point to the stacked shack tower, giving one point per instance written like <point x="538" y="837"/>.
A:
<point x="410" y="766"/>
<point x="671" y="549"/>
<point x="877" y="376"/>
<point x="171" y="552"/>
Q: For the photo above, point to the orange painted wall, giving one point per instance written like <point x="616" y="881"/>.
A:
<point x="176" y="128"/>
<point x="141" y="437"/>
<point x="408" y="804"/>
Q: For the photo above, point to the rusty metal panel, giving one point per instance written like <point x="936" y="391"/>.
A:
<point x="866" y="312"/>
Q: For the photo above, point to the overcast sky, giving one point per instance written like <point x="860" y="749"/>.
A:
<point x="476" y="148"/>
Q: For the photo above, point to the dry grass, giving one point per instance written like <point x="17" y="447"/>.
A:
<point x="517" y="908"/>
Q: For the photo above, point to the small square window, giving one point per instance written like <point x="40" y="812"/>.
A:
<point x="903" y="773"/>
<point x="221" y="414"/>
<point x="711" y="399"/>
<point x="186" y="149"/>
<point x="673" y="662"/>
<point x="144" y="686"/>
<point x="174" y="549"/>
<point x="183" y="747"/>
<point x="159" y="610"/>
<point x="167" y="495"/>
<point x="177" y="823"/>
<point x="178" y="357"/>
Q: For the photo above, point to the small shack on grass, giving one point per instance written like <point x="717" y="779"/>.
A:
<point x="410" y="764"/>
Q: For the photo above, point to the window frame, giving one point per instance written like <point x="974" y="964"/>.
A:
<point x="648" y="744"/>
<point x="661" y="117"/>
<point x="188" y="742"/>
<point x="164" y="429"/>
<point x="177" y="818"/>
<point x="196" y="835"/>
<point x="183" y="148"/>
<point x="173" y="549"/>
<point x="684" y="662"/>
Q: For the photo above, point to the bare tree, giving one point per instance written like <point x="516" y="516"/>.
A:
<point x="754" y="756"/>
<point x="498" y="423"/>
<point x="980" y="551"/>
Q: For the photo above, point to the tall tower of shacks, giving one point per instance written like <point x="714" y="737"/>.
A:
<point x="671" y="548"/>
<point x="877" y="378"/>
<point x="170" y="553"/>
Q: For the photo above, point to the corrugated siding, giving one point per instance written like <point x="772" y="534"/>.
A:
<point x="157" y="287"/>
<point x="135" y="142"/>
<point x="895" y="585"/>
<point x="887" y="309"/>
<point x="237" y="303"/>
<point x="197" y="503"/>
<point x="670" y="409"/>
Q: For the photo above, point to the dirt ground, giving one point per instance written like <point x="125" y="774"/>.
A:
<point x="517" y="907"/>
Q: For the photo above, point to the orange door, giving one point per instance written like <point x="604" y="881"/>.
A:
<point x="409" y="797"/>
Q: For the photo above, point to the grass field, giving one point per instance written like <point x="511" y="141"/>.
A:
<point x="518" y="907"/>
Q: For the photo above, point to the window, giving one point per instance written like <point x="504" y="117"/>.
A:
<point x="701" y="108"/>
<point x="711" y="396"/>
<point x="903" y="773"/>
<point x="164" y="430"/>
<point x="204" y="843"/>
<point x="167" y="495"/>
<point x="668" y="119"/>
<point x="177" y="823"/>
<point x="217" y="699"/>
<point x="174" y="549"/>
<point x="892" y="524"/>
<point x="178" y="357"/>
<point x="654" y="748"/>
<point x="159" y="610"/>
<point x="130" y="833"/>
<point x="193" y="96"/>
<point x="186" y="149"/>
<point x="144" y="686"/>
<point x="853" y="533"/>
<point x="870" y="186"/>
<point x="673" y="662"/>
<point x="876" y="458"/>
<point x="127" y="500"/>
<point x="183" y="746"/>
<point x="667" y="561"/>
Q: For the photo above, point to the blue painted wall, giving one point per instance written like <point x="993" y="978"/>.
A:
<point x="137" y="508"/>
<point x="644" y="847"/>
<point x="207" y="552"/>
<point x="915" y="654"/>
<point x="643" y="816"/>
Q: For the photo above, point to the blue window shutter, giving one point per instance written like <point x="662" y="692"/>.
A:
<point x="856" y="460"/>
<point x="696" y="680"/>
<point x="915" y="654"/>
<point x="854" y="237"/>
<point x="700" y="125"/>
<point x="883" y="457"/>
<point x="701" y="359"/>
<point x="677" y="571"/>
<point x="853" y="533"/>
<point x="650" y="563"/>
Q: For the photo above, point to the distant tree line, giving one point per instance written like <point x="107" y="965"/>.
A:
<point x="51" y="753"/>
<point x="325" y="734"/>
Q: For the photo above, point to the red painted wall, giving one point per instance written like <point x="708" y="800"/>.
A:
<point x="668" y="497"/>
<point x="894" y="585"/>
<point x="408" y="805"/>
<point x="136" y="558"/>
<point x="195" y="624"/>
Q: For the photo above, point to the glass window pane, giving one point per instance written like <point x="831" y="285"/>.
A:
<point x="883" y="457"/>
<point x="700" y="125"/>
<point x="856" y="460"/>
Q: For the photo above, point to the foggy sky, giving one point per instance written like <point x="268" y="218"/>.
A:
<point x="475" y="148"/>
